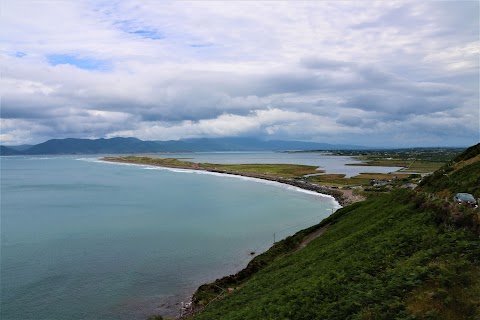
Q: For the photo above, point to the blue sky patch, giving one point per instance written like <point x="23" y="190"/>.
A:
<point x="79" y="62"/>
<point x="150" y="34"/>
<point x="132" y="27"/>
<point x="20" y="54"/>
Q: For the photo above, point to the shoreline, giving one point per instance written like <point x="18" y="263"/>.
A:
<point x="342" y="197"/>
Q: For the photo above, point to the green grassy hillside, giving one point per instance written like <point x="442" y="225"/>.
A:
<point x="405" y="255"/>
<point x="462" y="174"/>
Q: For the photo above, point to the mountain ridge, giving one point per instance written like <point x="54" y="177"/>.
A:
<point x="135" y="145"/>
<point x="8" y="151"/>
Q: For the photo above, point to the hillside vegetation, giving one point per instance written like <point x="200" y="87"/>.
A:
<point x="403" y="255"/>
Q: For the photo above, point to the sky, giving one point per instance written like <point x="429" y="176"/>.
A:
<point x="378" y="74"/>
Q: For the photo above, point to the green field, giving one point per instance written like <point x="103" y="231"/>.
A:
<point x="419" y="166"/>
<point x="412" y="160"/>
<point x="280" y="170"/>
<point x="419" y="154"/>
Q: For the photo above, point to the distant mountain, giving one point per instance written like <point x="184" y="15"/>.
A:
<point x="21" y="147"/>
<point x="134" y="145"/>
<point x="6" y="151"/>
<point x="87" y="146"/>
<point x="253" y="144"/>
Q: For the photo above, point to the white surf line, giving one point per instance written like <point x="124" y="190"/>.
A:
<point x="231" y="175"/>
<point x="238" y="176"/>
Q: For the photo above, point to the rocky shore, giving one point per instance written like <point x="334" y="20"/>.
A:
<point x="339" y="196"/>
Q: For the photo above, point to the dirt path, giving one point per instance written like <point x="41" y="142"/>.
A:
<point x="312" y="237"/>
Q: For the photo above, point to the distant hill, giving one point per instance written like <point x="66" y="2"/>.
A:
<point x="253" y="144"/>
<point x="21" y="147"/>
<point x="134" y="145"/>
<point x="86" y="146"/>
<point x="399" y="255"/>
<point x="6" y="151"/>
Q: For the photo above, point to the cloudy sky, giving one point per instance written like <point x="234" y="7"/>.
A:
<point x="359" y="72"/>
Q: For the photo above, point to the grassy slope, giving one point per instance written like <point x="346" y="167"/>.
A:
<point x="462" y="174"/>
<point x="390" y="257"/>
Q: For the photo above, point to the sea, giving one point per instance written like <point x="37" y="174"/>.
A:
<point x="86" y="239"/>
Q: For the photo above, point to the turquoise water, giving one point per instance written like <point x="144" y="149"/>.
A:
<point x="82" y="239"/>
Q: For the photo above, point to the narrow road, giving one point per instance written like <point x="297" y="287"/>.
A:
<point x="312" y="237"/>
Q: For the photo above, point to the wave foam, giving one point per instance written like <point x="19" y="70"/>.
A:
<point x="273" y="183"/>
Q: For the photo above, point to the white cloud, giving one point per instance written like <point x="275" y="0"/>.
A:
<point x="270" y="122"/>
<point x="341" y="71"/>
<point x="461" y="58"/>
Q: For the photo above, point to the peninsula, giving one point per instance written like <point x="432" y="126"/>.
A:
<point x="291" y="174"/>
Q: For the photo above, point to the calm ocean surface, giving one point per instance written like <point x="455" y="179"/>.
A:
<point x="82" y="239"/>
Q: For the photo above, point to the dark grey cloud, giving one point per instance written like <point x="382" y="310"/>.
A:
<point x="376" y="77"/>
<point x="322" y="64"/>
<point x="398" y="106"/>
<point x="292" y="82"/>
<point x="31" y="107"/>
<point x="354" y="121"/>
